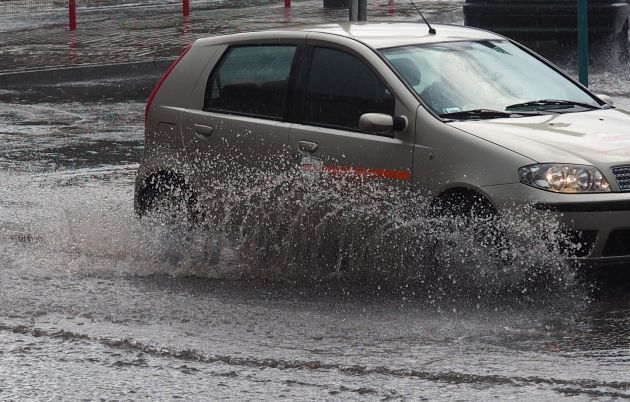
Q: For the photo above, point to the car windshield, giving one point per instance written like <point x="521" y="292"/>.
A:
<point x="488" y="76"/>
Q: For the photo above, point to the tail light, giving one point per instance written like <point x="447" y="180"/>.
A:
<point x="157" y="87"/>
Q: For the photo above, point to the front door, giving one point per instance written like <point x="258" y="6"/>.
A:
<point x="339" y="87"/>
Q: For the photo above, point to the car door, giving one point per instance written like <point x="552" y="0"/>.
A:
<point x="340" y="84"/>
<point x="238" y="126"/>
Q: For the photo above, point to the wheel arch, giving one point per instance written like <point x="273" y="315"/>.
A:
<point x="463" y="194"/>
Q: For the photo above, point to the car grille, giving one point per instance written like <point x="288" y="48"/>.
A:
<point x="622" y="174"/>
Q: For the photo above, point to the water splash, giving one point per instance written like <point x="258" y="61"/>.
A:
<point x="291" y="227"/>
<point x="287" y="227"/>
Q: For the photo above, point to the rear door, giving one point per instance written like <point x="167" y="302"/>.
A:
<point x="238" y="124"/>
<point x="340" y="84"/>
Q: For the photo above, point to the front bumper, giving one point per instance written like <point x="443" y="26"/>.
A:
<point x="544" y="20"/>
<point x="601" y="221"/>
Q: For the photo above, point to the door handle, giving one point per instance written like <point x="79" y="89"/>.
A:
<point x="307" y="146"/>
<point x="203" y="131"/>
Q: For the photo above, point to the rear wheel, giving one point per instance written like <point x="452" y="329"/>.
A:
<point x="169" y="199"/>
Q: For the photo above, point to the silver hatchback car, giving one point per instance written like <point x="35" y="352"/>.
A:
<point x="469" y="118"/>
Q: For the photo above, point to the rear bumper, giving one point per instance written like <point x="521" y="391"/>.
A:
<point x="599" y="222"/>
<point x="544" y="20"/>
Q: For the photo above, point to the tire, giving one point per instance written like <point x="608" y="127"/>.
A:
<point x="468" y="205"/>
<point x="169" y="200"/>
<point x="472" y="215"/>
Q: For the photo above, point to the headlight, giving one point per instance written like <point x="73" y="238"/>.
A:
<point x="561" y="178"/>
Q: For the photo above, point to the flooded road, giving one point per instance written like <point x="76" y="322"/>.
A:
<point x="98" y="304"/>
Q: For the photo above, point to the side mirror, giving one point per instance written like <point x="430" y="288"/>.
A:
<point x="383" y="124"/>
<point x="606" y="99"/>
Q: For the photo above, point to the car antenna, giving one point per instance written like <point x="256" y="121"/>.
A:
<point x="431" y="29"/>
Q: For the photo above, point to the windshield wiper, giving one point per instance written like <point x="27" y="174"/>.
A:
<point x="483" y="114"/>
<point x="565" y="104"/>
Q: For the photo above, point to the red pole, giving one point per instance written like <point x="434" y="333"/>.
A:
<point x="287" y="3"/>
<point x="186" y="8"/>
<point x="72" y="15"/>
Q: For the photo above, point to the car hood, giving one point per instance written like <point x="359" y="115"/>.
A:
<point x="599" y="137"/>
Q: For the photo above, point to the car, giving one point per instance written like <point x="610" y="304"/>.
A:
<point x="548" y="20"/>
<point x="467" y="117"/>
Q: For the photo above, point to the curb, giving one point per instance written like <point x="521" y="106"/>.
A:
<point x="82" y="73"/>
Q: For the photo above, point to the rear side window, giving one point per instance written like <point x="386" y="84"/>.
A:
<point x="340" y="88"/>
<point x="251" y="80"/>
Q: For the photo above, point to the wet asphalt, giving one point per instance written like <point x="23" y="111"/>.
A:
<point x="97" y="304"/>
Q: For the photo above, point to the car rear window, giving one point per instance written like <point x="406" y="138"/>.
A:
<point x="251" y="80"/>
<point x="340" y="88"/>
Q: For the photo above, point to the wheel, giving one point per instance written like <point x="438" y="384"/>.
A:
<point x="467" y="232"/>
<point x="469" y="206"/>
<point x="174" y="210"/>
<point x="169" y="199"/>
<point x="471" y="213"/>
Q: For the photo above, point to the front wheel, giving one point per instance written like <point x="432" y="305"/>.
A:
<point x="471" y="213"/>
<point x="468" y="227"/>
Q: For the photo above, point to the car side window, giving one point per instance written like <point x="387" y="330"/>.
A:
<point x="251" y="80"/>
<point x="340" y="88"/>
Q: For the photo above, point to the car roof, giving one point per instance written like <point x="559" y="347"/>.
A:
<point x="377" y="35"/>
<point x="391" y="34"/>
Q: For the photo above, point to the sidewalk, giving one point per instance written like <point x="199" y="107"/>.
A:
<point x="123" y="31"/>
